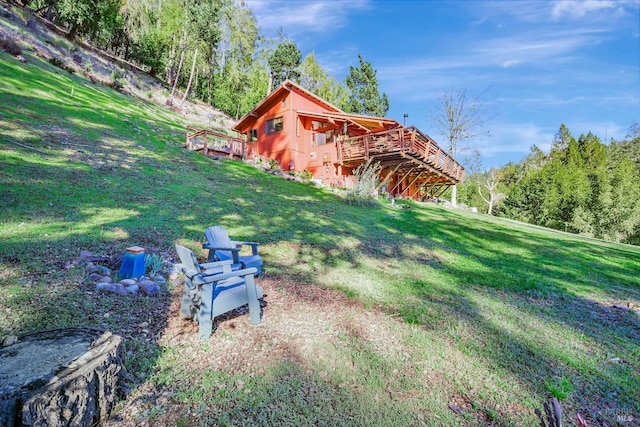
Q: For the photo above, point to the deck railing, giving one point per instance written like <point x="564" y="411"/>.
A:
<point x="401" y="142"/>
<point x="209" y="140"/>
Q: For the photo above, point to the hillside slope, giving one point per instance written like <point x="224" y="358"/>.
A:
<point x="36" y="38"/>
<point x="428" y="315"/>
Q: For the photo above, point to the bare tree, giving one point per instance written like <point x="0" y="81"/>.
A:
<point x="193" y="67"/>
<point x="491" y="185"/>
<point x="462" y="119"/>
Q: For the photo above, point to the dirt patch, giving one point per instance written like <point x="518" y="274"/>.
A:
<point x="301" y="323"/>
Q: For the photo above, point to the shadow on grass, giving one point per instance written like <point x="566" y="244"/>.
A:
<point x="114" y="194"/>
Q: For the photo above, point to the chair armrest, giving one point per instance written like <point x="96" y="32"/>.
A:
<point x="221" y="266"/>
<point x="254" y="245"/>
<point x="210" y="278"/>
<point x="218" y="248"/>
<point x="216" y="264"/>
<point x="235" y="252"/>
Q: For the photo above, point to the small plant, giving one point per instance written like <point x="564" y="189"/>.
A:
<point x="306" y="175"/>
<point x="56" y="62"/>
<point x="88" y="67"/>
<point x="117" y="80"/>
<point x="10" y="46"/>
<point x="560" y="389"/>
<point x="153" y="264"/>
<point x="365" y="192"/>
<point x="273" y="164"/>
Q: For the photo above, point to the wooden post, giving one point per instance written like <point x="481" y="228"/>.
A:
<point x="205" y="150"/>
<point x="414" y="180"/>
<point x="387" y="178"/>
<point x="400" y="180"/>
<point x="444" y="188"/>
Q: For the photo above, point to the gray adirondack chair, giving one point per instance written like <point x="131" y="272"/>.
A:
<point x="222" y="248"/>
<point x="213" y="289"/>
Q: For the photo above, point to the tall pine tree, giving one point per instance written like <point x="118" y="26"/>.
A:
<point x="365" y="98"/>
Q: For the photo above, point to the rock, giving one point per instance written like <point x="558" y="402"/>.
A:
<point x="115" y="288"/>
<point x="149" y="287"/>
<point x="133" y="289"/>
<point x="11" y="339"/>
<point x="84" y="257"/>
<point x="105" y="271"/>
<point x="32" y="25"/>
<point x="77" y="58"/>
<point x="90" y="268"/>
<point x="159" y="280"/>
<point x="105" y="279"/>
<point x="94" y="277"/>
<point x="145" y="281"/>
<point x="128" y="282"/>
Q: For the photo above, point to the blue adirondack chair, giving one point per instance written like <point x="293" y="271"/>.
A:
<point x="213" y="289"/>
<point x="222" y="248"/>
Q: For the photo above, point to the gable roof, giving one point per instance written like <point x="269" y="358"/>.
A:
<point x="331" y="113"/>
<point x="283" y="88"/>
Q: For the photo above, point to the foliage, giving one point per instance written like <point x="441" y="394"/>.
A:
<point x="316" y="80"/>
<point x="84" y="17"/>
<point x="560" y="388"/>
<point x="364" y="97"/>
<point x="10" y="46"/>
<point x="284" y="62"/>
<point x="365" y="190"/>
<point x="153" y="264"/>
<point x="581" y="187"/>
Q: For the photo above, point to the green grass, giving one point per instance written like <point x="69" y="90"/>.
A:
<point x="491" y="315"/>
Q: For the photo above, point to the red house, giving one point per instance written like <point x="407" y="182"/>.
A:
<point x="304" y="132"/>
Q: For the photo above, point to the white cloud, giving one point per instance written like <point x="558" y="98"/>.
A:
<point x="510" y="63"/>
<point x="578" y="9"/>
<point x="316" y="16"/>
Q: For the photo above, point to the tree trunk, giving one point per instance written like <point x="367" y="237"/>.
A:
<point x="193" y="69"/>
<point x="177" y="76"/>
<point x="454" y="195"/>
<point x="62" y="377"/>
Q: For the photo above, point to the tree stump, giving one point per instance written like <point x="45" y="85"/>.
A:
<point x="61" y="377"/>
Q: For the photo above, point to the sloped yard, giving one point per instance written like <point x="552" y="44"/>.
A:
<point x="373" y="316"/>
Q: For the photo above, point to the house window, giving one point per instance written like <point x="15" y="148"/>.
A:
<point x="273" y="125"/>
<point x="321" y="138"/>
<point x="253" y="135"/>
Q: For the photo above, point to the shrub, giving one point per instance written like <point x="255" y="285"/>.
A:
<point x="153" y="264"/>
<point x="117" y="80"/>
<point x="10" y="46"/>
<point x="365" y="191"/>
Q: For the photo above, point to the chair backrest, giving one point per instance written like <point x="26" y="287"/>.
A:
<point x="188" y="260"/>
<point x="217" y="236"/>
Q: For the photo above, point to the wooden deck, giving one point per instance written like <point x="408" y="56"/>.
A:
<point x="416" y="158"/>
<point x="213" y="143"/>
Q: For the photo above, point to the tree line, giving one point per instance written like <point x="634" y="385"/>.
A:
<point x="211" y="50"/>
<point x="581" y="186"/>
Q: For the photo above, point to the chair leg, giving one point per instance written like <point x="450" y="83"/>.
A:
<point x="205" y="321"/>
<point x="186" y="310"/>
<point x="254" y="305"/>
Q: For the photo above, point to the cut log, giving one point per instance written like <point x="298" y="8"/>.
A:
<point x="61" y="377"/>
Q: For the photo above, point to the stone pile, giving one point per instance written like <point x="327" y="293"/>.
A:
<point x="98" y="270"/>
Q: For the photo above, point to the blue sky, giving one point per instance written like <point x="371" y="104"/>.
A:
<point x="545" y="62"/>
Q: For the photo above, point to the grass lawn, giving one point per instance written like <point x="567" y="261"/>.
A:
<point x="374" y="316"/>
